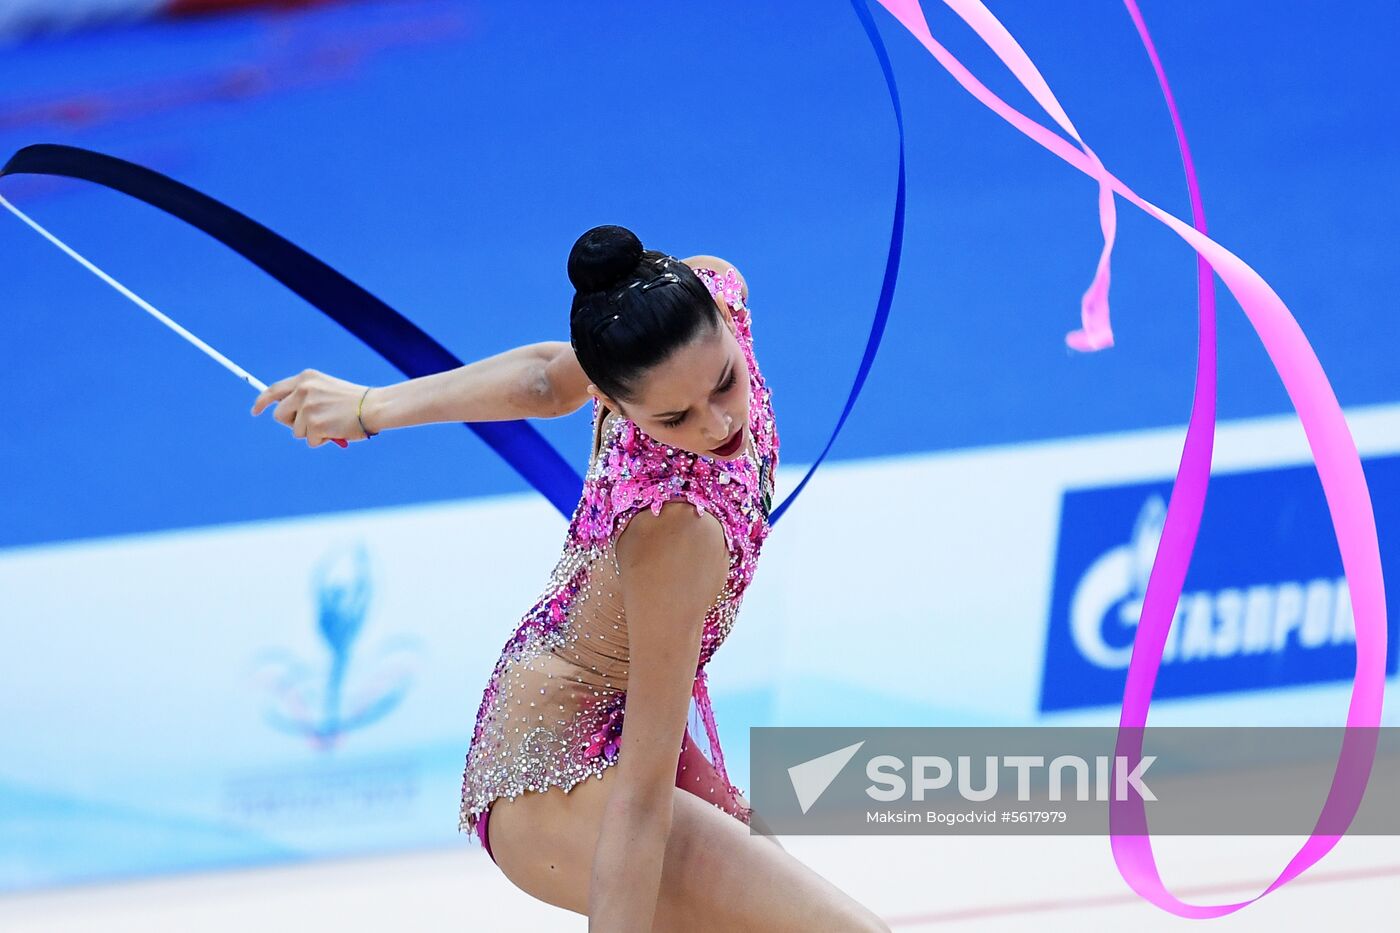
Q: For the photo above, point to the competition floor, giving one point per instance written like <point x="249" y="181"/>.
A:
<point x="980" y="885"/>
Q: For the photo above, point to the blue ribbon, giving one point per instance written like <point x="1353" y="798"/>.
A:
<point x="882" y="308"/>
<point x="383" y="329"/>
<point x="397" y="339"/>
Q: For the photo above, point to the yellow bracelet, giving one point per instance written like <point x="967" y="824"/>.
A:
<point x="361" y="409"/>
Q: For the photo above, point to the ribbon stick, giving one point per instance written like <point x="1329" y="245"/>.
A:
<point x="1334" y="453"/>
<point x="143" y="304"/>
<point x="384" y="330"/>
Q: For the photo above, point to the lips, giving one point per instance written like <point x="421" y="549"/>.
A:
<point x="730" y="446"/>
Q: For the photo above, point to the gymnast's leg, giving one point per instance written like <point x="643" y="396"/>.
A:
<point x="715" y="874"/>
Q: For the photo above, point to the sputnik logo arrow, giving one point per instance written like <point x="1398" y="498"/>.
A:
<point x="811" y="778"/>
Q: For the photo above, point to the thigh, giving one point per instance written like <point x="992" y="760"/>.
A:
<point x="543" y="841"/>
<point x="718" y="876"/>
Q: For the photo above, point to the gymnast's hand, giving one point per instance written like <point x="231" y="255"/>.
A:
<point x="316" y="406"/>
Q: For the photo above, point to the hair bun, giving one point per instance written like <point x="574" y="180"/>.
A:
<point x="603" y="257"/>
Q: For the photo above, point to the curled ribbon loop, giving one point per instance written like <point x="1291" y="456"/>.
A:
<point x="397" y="339"/>
<point x="1333" y="449"/>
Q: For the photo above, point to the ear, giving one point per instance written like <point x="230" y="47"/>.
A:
<point x="594" y="391"/>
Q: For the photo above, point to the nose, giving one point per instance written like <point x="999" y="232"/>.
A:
<point x="723" y="423"/>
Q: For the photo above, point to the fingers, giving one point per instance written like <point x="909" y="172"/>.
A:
<point x="277" y="391"/>
<point x="289" y="395"/>
<point x="298" y="424"/>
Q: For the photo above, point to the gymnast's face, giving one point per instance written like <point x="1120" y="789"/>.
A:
<point x="698" y="397"/>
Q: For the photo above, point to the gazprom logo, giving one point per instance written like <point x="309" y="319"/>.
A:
<point x="1265" y="602"/>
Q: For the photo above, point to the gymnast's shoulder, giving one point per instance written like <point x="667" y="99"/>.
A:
<point x="719" y="265"/>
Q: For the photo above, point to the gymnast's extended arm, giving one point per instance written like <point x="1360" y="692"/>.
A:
<point x="531" y="381"/>
<point x="538" y="380"/>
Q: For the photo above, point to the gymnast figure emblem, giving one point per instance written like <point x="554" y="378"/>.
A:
<point x="327" y="701"/>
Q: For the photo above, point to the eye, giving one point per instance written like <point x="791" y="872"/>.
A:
<point x="724" y="388"/>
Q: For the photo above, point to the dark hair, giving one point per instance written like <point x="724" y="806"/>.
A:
<point x="619" y="325"/>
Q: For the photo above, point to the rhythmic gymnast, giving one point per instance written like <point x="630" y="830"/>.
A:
<point x="643" y="332"/>
<point x="658" y="554"/>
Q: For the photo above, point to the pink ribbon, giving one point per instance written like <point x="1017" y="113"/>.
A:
<point x="1332" y="446"/>
<point x="1095" y="333"/>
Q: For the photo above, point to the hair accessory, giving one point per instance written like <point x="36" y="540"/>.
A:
<point x="665" y="278"/>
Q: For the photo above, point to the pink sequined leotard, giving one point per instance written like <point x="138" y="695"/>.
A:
<point x="552" y="711"/>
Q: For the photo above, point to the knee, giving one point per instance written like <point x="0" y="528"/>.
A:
<point x="851" y="916"/>
<point x="869" y="922"/>
<point x="872" y="924"/>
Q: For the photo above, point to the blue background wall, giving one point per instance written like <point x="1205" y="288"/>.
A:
<point x="446" y="155"/>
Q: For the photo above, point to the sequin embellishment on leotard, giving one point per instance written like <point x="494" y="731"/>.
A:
<point x="552" y="711"/>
